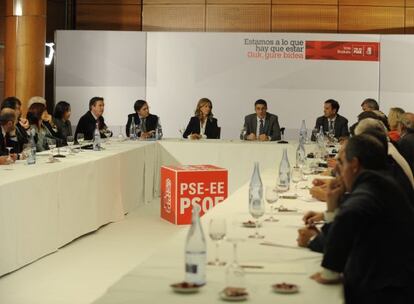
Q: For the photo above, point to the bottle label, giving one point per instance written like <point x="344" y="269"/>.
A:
<point x="191" y="268"/>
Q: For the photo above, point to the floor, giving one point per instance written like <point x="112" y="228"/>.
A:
<point x="81" y="271"/>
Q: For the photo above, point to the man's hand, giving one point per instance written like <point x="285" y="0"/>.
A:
<point x="305" y="235"/>
<point x="147" y="134"/>
<point x="263" y="137"/>
<point x="321" y="182"/>
<point x="335" y="191"/>
<point x="318" y="278"/>
<point x="312" y="217"/>
<point x="24" y="123"/>
<point x="251" y="136"/>
<point x="195" y="136"/>
<point x="319" y="193"/>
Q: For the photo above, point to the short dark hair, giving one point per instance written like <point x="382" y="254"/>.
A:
<point x="334" y="104"/>
<point x="60" y="109"/>
<point x="6" y="117"/>
<point x="371" y="103"/>
<point x="368" y="149"/>
<point x="94" y="100"/>
<point x="11" y="102"/>
<point x="260" y="102"/>
<point x="139" y="104"/>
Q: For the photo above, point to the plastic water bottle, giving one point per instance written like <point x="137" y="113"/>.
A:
<point x="132" y="134"/>
<point x="255" y="187"/>
<point x="158" y="130"/>
<point x="303" y="132"/>
<point x="284" y="171"/>
<point x="97" y="139"/>
<point x="301" y="153"/>
<point x="31" y="159"/>
<point x="195" y="251"/>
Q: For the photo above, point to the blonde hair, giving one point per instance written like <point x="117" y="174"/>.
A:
<point x="394" y="117"/>
<point x="201" y="103"/>
<point x="36" y="99"/>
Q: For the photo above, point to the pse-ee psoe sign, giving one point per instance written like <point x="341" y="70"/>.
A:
<point x="181" y="186"/>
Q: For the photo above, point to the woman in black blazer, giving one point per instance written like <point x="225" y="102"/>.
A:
<point x="202" y="125"/>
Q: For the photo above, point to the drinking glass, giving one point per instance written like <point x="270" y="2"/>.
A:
<point x="9" y="158"/>
<point x="217" y="230"/>
<point x="51" y="142"/>
<point x="257" y="210"/>
<point x="80" y="138"/>
<point x="120" y="135"/>
<point x="271" y="197"/>
<point x="296" y="178"/>
<point x="70" y="140"/>
<point x="234" y="272"/>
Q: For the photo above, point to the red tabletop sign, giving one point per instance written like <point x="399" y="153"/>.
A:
<point x="340" y="50"/>
<point x="181" y="186"/>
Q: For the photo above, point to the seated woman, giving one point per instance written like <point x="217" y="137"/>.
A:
<point x="202" y="125"/>
<point x="142" y="117"/>
<point x="61" y="118"/>
<point x="40" y="120"/>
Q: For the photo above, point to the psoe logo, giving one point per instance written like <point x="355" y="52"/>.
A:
<point x="167" y="196"/>
<point x="357" y="50"/>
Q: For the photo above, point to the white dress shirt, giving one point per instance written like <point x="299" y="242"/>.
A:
<point x="203" y="128"/>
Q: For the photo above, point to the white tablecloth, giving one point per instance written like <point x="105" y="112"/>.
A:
<point x="149" y="282"/>
<point x="45" y="206"/>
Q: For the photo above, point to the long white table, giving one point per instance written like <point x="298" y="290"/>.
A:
<point x="149" y="282"/>
<point x="46" y="206"/>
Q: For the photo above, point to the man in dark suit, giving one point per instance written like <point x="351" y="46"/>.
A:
<point x="332" y="120"/>
<point x="406" y="144"/>
<point x="22" y="125"/>
<point x="87" y="123"/>
<point x="262" y="126"/>
<point x="142" y="117"/>
<point x="370" y="239"/>
<point x="7" y="127"/>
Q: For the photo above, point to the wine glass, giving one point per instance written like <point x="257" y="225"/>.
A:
<point x="138" y="130"/>
<point x="243" y="133"/>
<point x="217" y="231"/>
<point x="257" y="210"/>
<point x="296" y="178"/>
<point x="70" y="140"/>
<point x="181" y="130"/>
<point x="80" y="138"/>
<point x="234" y="272"/>
<point x="9" y="158"/>
<point x="51" y="142"/>
<point x="107" y="133"/>
<point x="120" y="135"/>
<point x="271" y="197"/>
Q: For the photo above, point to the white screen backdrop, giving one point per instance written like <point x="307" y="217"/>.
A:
<point x="174" y="70"/>
<point x="101" y="63"/>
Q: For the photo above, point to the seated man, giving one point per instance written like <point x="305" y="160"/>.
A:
<point x="142" y="117"/>
<point x="87" y="123"/>
<point x="370" y="239"/>
<point x="369" y="104"/>
<point x="406" y="144"/>
<point x="7" y="127"/>
<point x="22" y="125"/>
<point x="262" y="126"/>
<point x="331" y="120"/>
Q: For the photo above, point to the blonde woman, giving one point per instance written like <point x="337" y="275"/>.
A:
<point x="202" y="124"/>
<point x="394" y="120"/>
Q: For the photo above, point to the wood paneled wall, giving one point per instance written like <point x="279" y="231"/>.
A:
<point x="2" y="34"/>
<point x="326" y="16"/>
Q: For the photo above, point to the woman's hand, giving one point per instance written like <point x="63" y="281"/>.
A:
<point x="195" y="136"/>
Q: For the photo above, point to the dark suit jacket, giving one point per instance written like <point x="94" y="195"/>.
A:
<point x="16" y="143"/>
<point x="341" y="126"/>
<point x="151" y="122"/>
<point x="3" y="145"/>
<point x="370" y="240"/>
<point x="271" y="125"/>
<point x="87" y="125"/>
<point x="406" y="147"/>
<point x="212" y="130"/>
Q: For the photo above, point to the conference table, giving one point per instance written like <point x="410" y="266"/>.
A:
<point x="47" y="205"/>
<point x="282" y="261"/>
